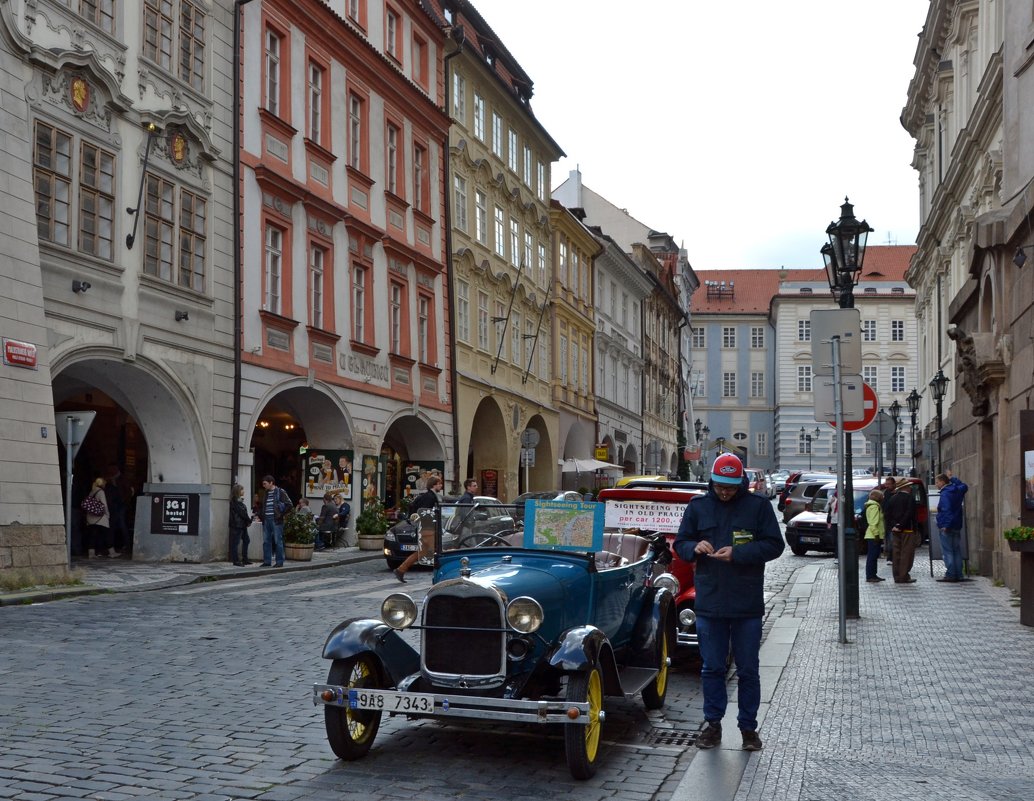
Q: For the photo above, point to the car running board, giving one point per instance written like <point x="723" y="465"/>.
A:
<point x="633" y="679"/>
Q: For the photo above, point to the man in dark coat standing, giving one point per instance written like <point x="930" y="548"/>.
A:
<point x="899" y="514"/>
<point x="729" y="534"/>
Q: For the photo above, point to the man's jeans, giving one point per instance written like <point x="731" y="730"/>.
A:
<point x="743" y="635"/>
<point x="951" y="552"/>
<point x="272" y="532"/>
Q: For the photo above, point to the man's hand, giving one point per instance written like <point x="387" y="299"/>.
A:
<point x="723" y="554"/>
<point x="704" y="548"/>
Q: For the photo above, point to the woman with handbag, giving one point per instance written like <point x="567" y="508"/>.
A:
<point x="98" y="532"/>
<point x="240" y="519"/>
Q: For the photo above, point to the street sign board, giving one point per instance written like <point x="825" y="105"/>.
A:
<point x="870" y="406"/>
<point x="825" y="408"/>
<point x="529" y="438"/>
<point x="882" y="428"/>
<point x="81" y="422"/>
<point x="829" y="323"/>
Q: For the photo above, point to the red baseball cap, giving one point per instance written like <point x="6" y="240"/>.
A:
<point x="727" y="469"/>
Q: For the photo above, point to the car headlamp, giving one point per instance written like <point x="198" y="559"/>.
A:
<point x="389" y="535"/>
<point x="398" y="611"/>
<point x="668" y="582"/>
<point x="524" y="614"/>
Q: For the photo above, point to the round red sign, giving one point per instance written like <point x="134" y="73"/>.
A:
<point x="870" y="406"/>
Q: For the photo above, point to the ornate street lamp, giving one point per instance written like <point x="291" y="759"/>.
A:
<point x="807" y="437"/>
<point x="842" y="257"/>
<point x="719" y="446"/>
<point x="895" y="415"/>
<point x="696" y="429"/>
<point x="913" y="406"/>
<point x="939" y="385"/>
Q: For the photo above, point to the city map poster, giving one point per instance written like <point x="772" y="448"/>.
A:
<point x="563" y="525"/>
<point x="328" y="471"/>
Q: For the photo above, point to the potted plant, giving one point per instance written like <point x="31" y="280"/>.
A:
<point x="371" y="525"/>
<point x="1020" y="538"/>
<point x="299" y="536"/>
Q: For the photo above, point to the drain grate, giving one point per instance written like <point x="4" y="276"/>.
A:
<point x="674" y="737"/>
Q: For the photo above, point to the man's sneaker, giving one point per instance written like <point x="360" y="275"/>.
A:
<point x="710" y="736"/>
<point x="751" y="741"/>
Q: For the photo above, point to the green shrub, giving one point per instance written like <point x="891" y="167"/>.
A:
<point x="299" y="528"/>
<point x="372" y="522"/>
<point x="1019" y="533"/>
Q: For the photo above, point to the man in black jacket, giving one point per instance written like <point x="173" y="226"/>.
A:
<point x="899" y="515"/>
<point x="729" y="534"/>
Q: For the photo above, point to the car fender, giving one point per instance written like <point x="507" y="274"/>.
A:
<point x="657" y="616"/>
<point x="367" y="635"/>
<point x="582" y="647"/>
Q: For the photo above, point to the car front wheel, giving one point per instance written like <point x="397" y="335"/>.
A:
<point x="582" y="741"/>
<point x="350" y="732"/>
<point x="798" y="550"/>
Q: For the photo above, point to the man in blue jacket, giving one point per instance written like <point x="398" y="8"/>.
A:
<point x="949" y="523"/>
<point x="729" y="533"/>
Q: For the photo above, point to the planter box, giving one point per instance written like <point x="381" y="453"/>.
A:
<point x="298" y="553"/>
<point x="1023" y="546"/>
<point x="371" y="543"/>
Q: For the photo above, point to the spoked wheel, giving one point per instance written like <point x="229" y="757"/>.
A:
<point x="582" y="742"/>
<point x="350" y="732"/>
<point x="478" y="539"/>
<point x="656" y="690"/>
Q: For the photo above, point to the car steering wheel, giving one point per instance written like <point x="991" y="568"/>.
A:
<point x="483" y="538"/>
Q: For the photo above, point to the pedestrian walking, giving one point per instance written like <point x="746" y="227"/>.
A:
<point x="274" y="504"/>
<point x="98" y="521"/>
<point x="470" y="488"/>
<point x="729" y="534"/>
<point x="424" y="509"/>
<point x="949" y="524"/>
<point x="900" y="520"/>
<point x="240" y="519"/>
<point x="326" y="522"/>
<point x="872" y="514"/>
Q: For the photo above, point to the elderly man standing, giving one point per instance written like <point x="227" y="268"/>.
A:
<point x="899" y="512"/>
<point x="729" y="534"/>
<point x="949" y="524"/>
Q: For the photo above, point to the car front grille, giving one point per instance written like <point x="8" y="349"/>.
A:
<point x="463" y="635"/>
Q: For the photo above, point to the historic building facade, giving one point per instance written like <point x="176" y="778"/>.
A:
<point x="969" y="109"/>
<point x="499" y="167"/>
<point x="118" y="284"/>
<point x="346" y="334"/>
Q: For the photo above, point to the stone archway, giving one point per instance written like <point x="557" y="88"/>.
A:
<point x="543" y="476"/>
<point x="488" y="450"/>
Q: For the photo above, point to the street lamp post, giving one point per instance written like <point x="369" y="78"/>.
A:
<point x="842" y="257"/>
<point x="696" y="429"/>
<point x="939" y="385"/>
<point x="719" y="446"/>
<point x="895" y="415"/>
<point x="913" y="406"/>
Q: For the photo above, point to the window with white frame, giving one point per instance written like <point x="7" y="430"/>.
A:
<point x="479" y="116"/>
<point x="423" y="322"/>
<point x="585" y="364"/>
<point x="804" y="330"/>
<point x="101" y="14"/>
<point x="697" y="389"/>
<point x="757" y="337"/>
<point x="897" y="330"/>
<point x="482" y="320"/>
<point x="529" y="343"/>
<point x="359" y="277"/>
<point x="870" y="375"/>
<point x="728" y="337"/>
<point x="515" y="242"/>
<point x="315" y="102"/>
<point x="175" y="232"/>
<point x="527" y="166"/>
<point x="273" y="252"/>
<point x="761" y="443"/>
<point x="561" y="267"/>
<point x="562" y="364"/>
<point x="395" y="322"/>
<point x="463" y="310"/>
<point x="512" y="152"/>
<point x="317" y="258"/>
<point x="162" y="27"/>
<point x="803" y="442"/>
<point x="420" y="176"/>
<point x="897" y="379"/>
<point x="480" y="216"/>
<point x="544" y="347"/>
<point x="498" y="321"/>
<point x="698" y="337"/>
<point x="624" y="310"/>
<point x="900" y="444"/>
<point x="459" y="97"/>
<point x="500" y="232"/>
<point x="355" y="132"/>
<point x="542" y="265"/>
<point x="459" y="188"/>
<point x="273" y="44"/>
<point x="804" y="378"/>
<point x="392" y="145"/>
<point x="392" y="29"/>
<point x="540" y="181"/>
<point x="497" y="134"/>
<point x="868" y="330"/>
<point x="757" y="384"/>
<point x="729" y="384"/>
<point x="613" y="300"/>
<point x="529" y="246"/>
<point x="515" y="338"/>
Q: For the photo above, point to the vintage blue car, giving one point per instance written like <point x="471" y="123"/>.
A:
<point x="539" y="631"/>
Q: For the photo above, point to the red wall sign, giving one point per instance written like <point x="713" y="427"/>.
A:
<point x="19" y="354"/>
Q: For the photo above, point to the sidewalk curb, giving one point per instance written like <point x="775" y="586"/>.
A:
<point x="715" y="774"/>
<point x="35" y="596"/>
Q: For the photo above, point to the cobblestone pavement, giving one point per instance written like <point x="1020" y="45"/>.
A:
<point x="930" y="698"/>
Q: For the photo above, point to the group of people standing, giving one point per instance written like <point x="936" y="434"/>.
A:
<point x="104" y="507"/>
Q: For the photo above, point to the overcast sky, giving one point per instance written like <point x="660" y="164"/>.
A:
<point x="737" y="127"/>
